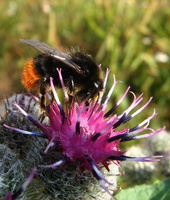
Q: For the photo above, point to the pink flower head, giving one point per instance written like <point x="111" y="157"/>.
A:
<point x="90" y="134"/>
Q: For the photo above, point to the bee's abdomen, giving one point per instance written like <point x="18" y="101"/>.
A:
<point x="29" y="75"/>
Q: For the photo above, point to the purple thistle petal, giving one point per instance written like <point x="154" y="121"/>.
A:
<point x="26" y="183"/>
<point x="26" y="132"/>
<point x="56" y="164"/>
<point x="62" y="84"/>
<point x="118" y="137"/>
<point x="97" y="172"/>
<point x="29" y="179"/>
<point x="54" y="92"/>
<point x="135" y="102"/>
<point x="104" y="85"/>
<point x="110" y="91"/>
<point x="34" y="97"/>
<point x="125" y="119"/>
<point x="117" y="104"/>
<point x="143" y="107"/>
<point x="35" y="122"/>
<point x="79" y="117"/>
<point x="104" y="130"/>
<point x="140" y="159"/>
<point x="94" y="137"/>
<point x="50" y="144"/>
<point x="99" y="176"/>
<point x="57" y="99"/>
<point x="49" y="97"/>
<point x="8" y="196"/>
<point x="146" y="121"/>
<point x="142" y="136"/>
<point x="122" y="120"/>
<point x="105" y="188"/>
<point x="26" y="114"/>
<point x="78" y="127"/>
<point x="11" y="196"/>
<point x="123" y="96"/>
<point x="107" y="127"/>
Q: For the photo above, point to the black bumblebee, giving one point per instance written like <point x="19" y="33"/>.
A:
<point x="81" y="75"/>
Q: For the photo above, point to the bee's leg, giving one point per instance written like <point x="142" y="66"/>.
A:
<point x="71" y="95"/>
<point x="72" y="86"/>
<point x="71" y="100"/>
<point x="42" y="97"/>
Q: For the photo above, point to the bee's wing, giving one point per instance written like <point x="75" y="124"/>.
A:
<point x="59" y="55"/>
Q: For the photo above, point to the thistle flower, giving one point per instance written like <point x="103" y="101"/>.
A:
<point x="91" y="134"/>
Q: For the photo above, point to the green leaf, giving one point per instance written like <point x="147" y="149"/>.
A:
<point x="159" y="191"/>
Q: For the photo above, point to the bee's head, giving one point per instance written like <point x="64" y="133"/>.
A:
<point x="90" y="82"/>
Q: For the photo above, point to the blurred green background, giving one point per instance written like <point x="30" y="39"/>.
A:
<point x="132" y="38"/>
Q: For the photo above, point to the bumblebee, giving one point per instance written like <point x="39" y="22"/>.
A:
<point x="81" y="75"/>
